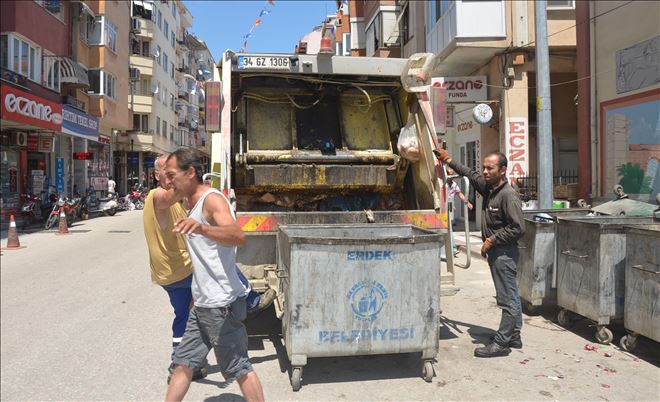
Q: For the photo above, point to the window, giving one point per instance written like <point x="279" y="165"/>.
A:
<point x="141" y="122"/>
<point x="157" y="125"/>
<point x="21" y="57"/>
<point x="110" y="85"/>
<point x="52" y="6"/>
<point x="110" y="35"/>
<point x="166" y="29"/>
<point x="99" y="31"/>
<point x="172" y="101"/>
<point x="561" y="4"/>
<point x="172" y="130"/>
<point x="172" y="39"/>
<point x="51" y="72"/>
<point x="159" y="20"/>
<point x="164" y="127"/>
<point x="172" y="70"/>
<point x="145" y="49"/>
<point x="4" y="51"/>
<point x="102" y="83"/>
<point x="174" y="9"/>
<point x="405" y="24"/>
<point x="166" y="96"/>
<point x="158" y="50"/>
<point x="166" y="61"/>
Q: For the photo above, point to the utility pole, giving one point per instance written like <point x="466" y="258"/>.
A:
<point x="543" y="106"/>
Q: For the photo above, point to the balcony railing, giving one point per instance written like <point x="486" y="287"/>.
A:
<point x="76" y="103"/>
<point x="13" y="78"/>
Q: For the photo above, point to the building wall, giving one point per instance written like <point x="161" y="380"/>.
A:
<point x="417" y="26"/>
<point x="624" y="119"/>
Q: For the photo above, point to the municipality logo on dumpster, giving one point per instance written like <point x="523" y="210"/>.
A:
<point x="367" y="299"/>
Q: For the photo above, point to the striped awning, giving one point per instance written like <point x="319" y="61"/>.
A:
<point x="73" y="73"/>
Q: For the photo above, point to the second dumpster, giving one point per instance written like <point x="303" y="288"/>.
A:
<point x="591" y="263"/>
<point x="359" y="290"/>
<point x="538" y="256"/>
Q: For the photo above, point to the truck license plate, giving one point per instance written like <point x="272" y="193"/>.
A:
<point x="263" y="63"/>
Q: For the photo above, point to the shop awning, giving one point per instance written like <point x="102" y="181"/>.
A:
<point x="73" y="73"/>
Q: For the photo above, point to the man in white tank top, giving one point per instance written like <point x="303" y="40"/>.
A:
<point x="219" y="296"/>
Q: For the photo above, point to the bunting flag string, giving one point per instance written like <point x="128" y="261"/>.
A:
<point x="264" y="11"/>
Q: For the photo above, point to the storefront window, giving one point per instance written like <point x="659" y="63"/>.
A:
<point x="9" y="179"/>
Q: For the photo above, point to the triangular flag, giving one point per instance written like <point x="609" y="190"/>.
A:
<point x="271" y="2"/>
<point x="264" y="12"/>
<point x="257" y="22"/>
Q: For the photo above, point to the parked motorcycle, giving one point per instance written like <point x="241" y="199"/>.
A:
<point x="137" y="197"/>
<point x="71" y="208"/>
<point x="30" y="210"/>
<point x="105" y="205"/>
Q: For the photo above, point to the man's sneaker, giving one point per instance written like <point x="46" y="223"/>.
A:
<point x="514" y="343"/>
<point x="198" y="374"/>
<point x="492" y="350"/>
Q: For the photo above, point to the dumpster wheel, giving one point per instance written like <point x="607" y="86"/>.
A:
<point x="604" y="335"/>
<point x="628" y="342"/>
<point x="427" y="371"/>
<point x="564" y="318"/>
<point x="296" y="378"/>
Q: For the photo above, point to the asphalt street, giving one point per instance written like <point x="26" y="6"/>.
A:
<point x="80" y="320"/>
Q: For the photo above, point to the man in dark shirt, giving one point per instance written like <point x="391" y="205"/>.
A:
<point x="503" y="224"/>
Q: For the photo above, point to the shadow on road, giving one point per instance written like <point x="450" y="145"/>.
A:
<point x="228" y="397"/>
<point x="478" y="333"/>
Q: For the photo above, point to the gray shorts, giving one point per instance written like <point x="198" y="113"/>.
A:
<point x="223" y="330"/>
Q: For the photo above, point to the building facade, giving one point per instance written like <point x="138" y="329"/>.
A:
<point x="624" y="112"/>
<point x="151" y="101"/>
<point x="51" y="127"/>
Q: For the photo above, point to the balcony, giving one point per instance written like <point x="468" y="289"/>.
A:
<point x="72" y="101"/>
<point x="13" y="78"/>
<point x="144" y="64"/>
<point x="185" y="69"/>
<point x="141" y="103"/>
<point x="468" y="34"/>
<point x="142" y="27"/>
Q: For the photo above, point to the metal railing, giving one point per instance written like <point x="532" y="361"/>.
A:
<point x="528" y="185"/>
<point x="72" y="101"/>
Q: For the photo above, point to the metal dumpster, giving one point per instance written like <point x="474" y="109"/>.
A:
<point x="538" y="255"/>
<point x="642" y="303"/>
<point x="591" y="262"/>
<point x="359" y="290"/>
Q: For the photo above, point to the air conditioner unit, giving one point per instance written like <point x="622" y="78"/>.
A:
<point x="133" y="73"/>
<point x="135" y="25"/>
<point x="18" y="138"/>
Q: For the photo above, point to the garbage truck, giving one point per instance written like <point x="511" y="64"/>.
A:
<point x="312" y="139"/>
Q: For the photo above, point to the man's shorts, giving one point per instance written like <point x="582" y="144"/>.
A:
<point x="222" y="329"/>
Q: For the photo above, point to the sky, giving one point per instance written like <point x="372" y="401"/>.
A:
<point x="222" y="24"/>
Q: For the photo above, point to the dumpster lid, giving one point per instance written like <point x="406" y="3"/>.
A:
<point x="363" y="234"/>
<point x="626" y="207"/>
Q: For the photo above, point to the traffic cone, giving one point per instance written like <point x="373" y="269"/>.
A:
<point x="63" y="229"/>
<point x="12" y="235"/>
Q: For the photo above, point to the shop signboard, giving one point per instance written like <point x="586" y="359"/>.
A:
<point x="213" y="98"/>
<point x="32" y="142"/>
<point x="462" y="89"/>
<point x="83" y="156"/>
<point x="46" y="144"/>
<point x="37" y="181"/>
<point x="148" y="161"/>
<point x="517" y="147"/>
<point x="132" y="158"/>
<point x="99" y="183"/>
<point x="24" y="107"/>
<point x="59" y="174"/>
<point x="79" y="124"/>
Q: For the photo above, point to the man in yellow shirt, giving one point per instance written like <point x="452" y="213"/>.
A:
<point x="170" y="262"/>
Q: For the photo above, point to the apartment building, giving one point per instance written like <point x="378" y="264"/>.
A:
<point x="33" y="37"/>
<point x="192" y="113"/>
<point x="151" y="101"/>
<point x="98" y="45"/>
